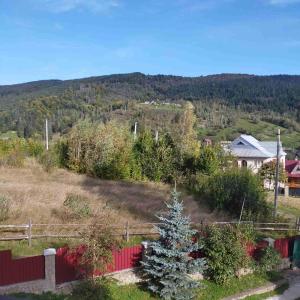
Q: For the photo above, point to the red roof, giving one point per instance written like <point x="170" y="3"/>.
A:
<point x="290" y="166"/>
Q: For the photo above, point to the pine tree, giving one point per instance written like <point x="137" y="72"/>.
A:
<point x="169" y="264"/>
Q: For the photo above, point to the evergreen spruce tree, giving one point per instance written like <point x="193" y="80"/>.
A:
<point x="169" y="264"/>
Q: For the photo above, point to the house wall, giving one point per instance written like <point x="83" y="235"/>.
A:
<point x="255" y="164"/>
<point x="252" y="163"/>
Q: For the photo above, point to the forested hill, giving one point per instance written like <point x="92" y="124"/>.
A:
<point x="23" y="107"/>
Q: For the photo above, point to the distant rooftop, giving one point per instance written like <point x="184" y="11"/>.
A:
<point x="248" y="146"/>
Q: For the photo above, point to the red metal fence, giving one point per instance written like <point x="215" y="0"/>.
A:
<point x="20" y="270"/>
<point x="66" y="262"/>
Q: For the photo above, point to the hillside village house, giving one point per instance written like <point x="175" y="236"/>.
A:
<point x="252" y="154"/>
<point x="292" y="168"/>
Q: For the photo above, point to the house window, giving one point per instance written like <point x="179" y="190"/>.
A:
<point x="241" y="143"/>
<point x="244" y="164"/>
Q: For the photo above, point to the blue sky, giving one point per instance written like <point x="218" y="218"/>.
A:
<point x="64" y="39"/>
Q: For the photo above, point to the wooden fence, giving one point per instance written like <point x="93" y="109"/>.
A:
<point x="32" y="231"/>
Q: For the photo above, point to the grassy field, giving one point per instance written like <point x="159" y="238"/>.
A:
<point x="38" y="195"/>
<point x="209" y="290"/>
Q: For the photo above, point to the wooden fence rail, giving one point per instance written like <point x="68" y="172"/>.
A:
<point x="36" y="231"/>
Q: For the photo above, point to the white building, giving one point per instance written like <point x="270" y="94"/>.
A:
<point x="252" y="153"/>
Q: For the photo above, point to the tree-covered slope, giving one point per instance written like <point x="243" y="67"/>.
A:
<point x="23" y="107"/>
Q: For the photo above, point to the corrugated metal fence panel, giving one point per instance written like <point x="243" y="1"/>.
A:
<point x="66" y="262"/>
<point x="127" y="258"/>
<point x="65" y="266"/>
<point x="20" y="270"/>
<point x="282" y="246"/>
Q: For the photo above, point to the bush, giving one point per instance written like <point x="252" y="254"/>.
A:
<point x="224" y="249"/>
<point x="15" y="158"/>
<point x="268" y="260"/>
<point x="34" y="148"/>
<point x="76" y="206"/>
<point x="4" y="208"/>
<point x="13" y="151"/>
<point x="227" y="191"/>
<point x="47" y="160"/>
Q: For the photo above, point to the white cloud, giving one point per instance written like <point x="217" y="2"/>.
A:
<point x="60" y="6"/>
<point x="202" y="5"/>
<point x="283" y="2"/>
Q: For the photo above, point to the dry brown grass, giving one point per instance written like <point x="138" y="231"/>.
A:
<point x="38" y="195"/>
<point x="288" y="206"/>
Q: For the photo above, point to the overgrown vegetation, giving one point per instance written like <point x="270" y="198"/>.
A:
<point x="110" y="151"/>
<point x="225" y="251"/>
<point x="230" y="189"/>
<point x="14" y="150"/>
<point x="4" y="208"/>
<point x="99" y="241"/>
<point x="268" y="259"/>
<point x="76" y="206"/>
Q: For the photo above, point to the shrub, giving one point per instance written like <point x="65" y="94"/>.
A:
<point x="76" y="206"/>
<point x="15" y="158"/>
<point x="61" y="151"/>
<point x="269" y="259"/>
<point x="4" y="208"/>
<point x="156" y="159"/>
<point x="224" y="249"/>
<point x="47" y="160"/>
<point x="34" y="148"/>
<point x="227" y="191"/>
<point x="99" y="242"/>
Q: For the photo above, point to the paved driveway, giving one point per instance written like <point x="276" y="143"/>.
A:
<point x="293" y="292"/>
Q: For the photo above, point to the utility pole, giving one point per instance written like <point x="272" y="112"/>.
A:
<point x="277" y="174"/>
<point x="47" y="136"/>
<point x="156" y="136"/>
<point x="241" y="214"/>
<point x="135" y="130"/>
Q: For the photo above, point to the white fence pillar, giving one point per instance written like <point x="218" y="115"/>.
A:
<point x="50" y="269"/>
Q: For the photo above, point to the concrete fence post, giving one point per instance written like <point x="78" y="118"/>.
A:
<point x="50" y="269"/>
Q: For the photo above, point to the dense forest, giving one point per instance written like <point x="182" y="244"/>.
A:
<point x="225" y="104"/>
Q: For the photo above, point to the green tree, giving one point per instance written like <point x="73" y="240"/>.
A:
<point x="157" y="159"/>
<point x="228" y="190"/>
<point x="224" y="248"/>
<point x="169" y="264"/>
<point x="267" y="172"/>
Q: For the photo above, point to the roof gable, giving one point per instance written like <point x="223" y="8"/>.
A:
<point x="248" y="146"/>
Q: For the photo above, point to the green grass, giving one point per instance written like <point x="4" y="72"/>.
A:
<point x="279" y="291"/>
<point x="21" y="248"/>
<point x="289" y="210"/>
<point x="235" y="286"/>
<point x="210" y="290"/>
